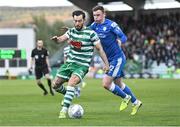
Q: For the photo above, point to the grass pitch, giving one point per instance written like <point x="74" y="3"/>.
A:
<point x="22" y="103"/>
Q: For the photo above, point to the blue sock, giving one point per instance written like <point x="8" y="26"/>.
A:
<point x="117" y="90"/>
<point x="128" y="91"/>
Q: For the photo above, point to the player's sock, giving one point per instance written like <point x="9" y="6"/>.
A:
<point x="61" y="90"/>
<point x="117" y="90"/>
<point x="68" y="97"/>
<point x="50" y="88"/>
<point x="128" y="91"/>
<point x="49" y="83"/>
<point x="43" y="88"/>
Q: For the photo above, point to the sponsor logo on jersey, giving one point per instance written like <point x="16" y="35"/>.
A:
<point x="76" y="44"/>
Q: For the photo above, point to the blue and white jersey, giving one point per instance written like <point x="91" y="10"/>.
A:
<point x="108" y="33"/>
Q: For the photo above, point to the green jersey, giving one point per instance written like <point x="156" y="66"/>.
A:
<point x="66" y="51"/>
<point x="81" y="45"/>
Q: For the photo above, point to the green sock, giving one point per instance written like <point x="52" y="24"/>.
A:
<point x="68" y="96"/>
<point x="61" y="90"/>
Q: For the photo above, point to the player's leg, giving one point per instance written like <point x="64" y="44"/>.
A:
<point x="78" y="73"/>
<point x="116" y="67"/>
<point x="115" y="89"/>
<point x="62" y="76"/>
<point x="49" y="81"/>
<point x="126" y="89"/>
<point x="68" y="97"/>
<point x="109" y="77"/>
<point x="58" y="85"/>
<point x="79" y="87"/>
<point x="39" y="74"/>
<point x="82" y="83"/>
<point x="107" y="83"/>
<point x="136" y="103"/>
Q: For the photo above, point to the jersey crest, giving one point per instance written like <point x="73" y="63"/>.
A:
<point x="104" y="28"/>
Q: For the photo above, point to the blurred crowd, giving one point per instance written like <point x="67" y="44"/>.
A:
<point x="152" y="38"/>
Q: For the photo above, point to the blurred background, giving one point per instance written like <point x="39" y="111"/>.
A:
<point x="152" y="28"/>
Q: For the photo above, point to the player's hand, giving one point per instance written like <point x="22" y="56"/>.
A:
<point x="49" y="68"/>
<point x="55" y="38"/>
<point x="64" y="28"/>
<point x="30" y="70"/>
<point x="106" y="68"/>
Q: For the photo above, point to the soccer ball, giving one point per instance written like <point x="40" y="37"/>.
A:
<point x="75" y="111"/>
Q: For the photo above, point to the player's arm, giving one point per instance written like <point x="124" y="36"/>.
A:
<point x="59" y="39"/>
<point x="117" y="30"/>
<point x="102" y="55"/>
<point x="47" y="60"/>
<point x="48" y="64"/>
<point x="32" y="62"/>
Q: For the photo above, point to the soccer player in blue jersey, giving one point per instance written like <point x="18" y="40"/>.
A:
<point x="111" y="36"/>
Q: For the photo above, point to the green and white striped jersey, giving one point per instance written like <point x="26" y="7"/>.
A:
<point x="66" y="51"/>
<point x="81" y="45"/>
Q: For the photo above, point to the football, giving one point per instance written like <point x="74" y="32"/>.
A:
<point x="75" y="111"/>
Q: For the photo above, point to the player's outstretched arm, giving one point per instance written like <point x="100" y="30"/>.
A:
<point x="103" y="55"/>
<point x="59" y="39"/>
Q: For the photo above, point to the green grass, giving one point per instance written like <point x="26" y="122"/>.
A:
<point x="22" y="103"/>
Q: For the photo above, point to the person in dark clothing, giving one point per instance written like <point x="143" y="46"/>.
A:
<point x="39" y="58"/>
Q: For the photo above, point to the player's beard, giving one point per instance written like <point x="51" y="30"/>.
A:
<point x="78" y="28"/>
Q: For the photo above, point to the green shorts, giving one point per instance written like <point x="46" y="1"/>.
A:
<point x="67" y="69"/>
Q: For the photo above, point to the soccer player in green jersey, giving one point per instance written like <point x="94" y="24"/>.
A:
<point x="82" y="43"/>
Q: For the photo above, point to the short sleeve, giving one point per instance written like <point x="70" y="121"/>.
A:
<point x="46" y="52"/>
<point x="68" y="33"/>
<point x="94" y="38"/>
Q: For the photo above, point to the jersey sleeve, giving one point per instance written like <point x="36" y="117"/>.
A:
<point x="117" y="30"/>
<point x="94" y="38"/>
<point x="46" y="52"/>
<point x="68" y="33"/>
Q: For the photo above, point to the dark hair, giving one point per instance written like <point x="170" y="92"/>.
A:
<point x="98" y="8"/>
<point x="78" y="13"/>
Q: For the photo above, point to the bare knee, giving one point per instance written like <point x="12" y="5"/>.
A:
<point x="106" y="84"/>
<point x="74" y="80"/>
<point x="107" y="80"/>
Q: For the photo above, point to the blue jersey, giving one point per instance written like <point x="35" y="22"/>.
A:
<point x="108" y="33"/>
